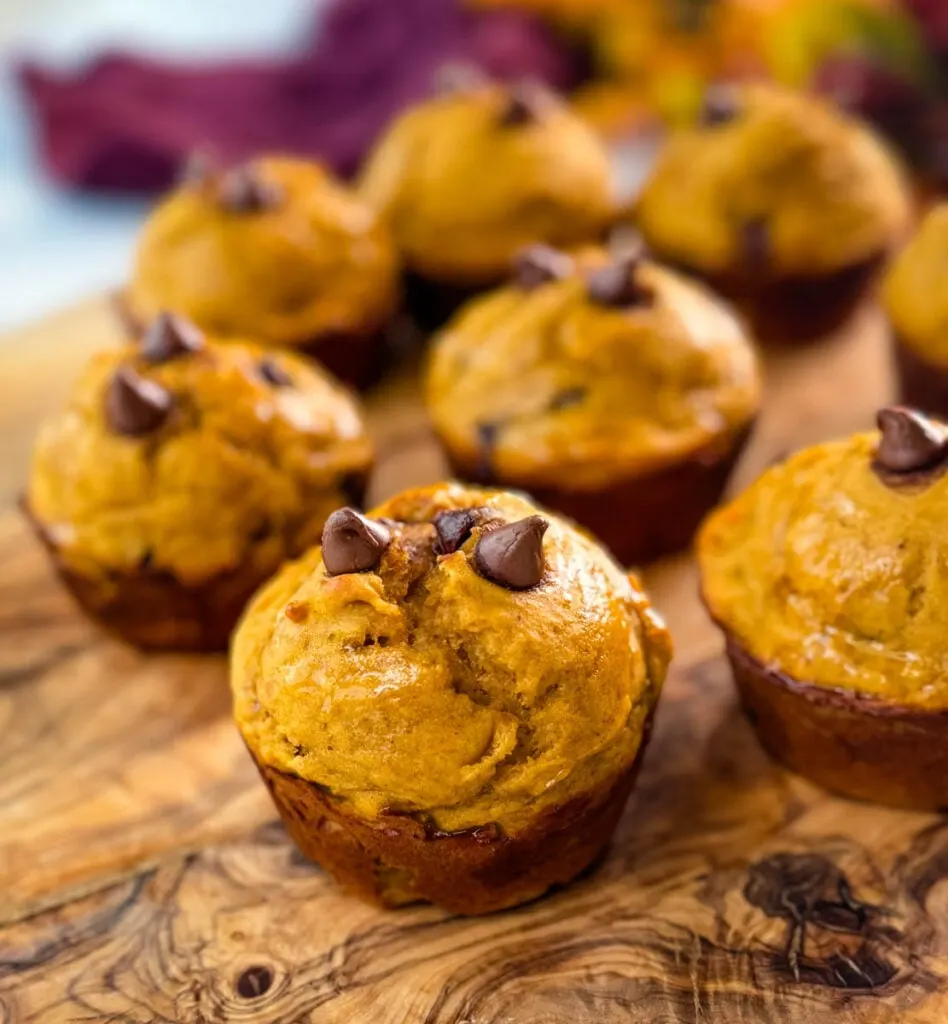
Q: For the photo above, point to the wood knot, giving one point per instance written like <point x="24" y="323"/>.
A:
<point x="254" y="982"/>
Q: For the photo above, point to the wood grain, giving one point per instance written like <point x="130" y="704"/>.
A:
<point x="143" y="877"/>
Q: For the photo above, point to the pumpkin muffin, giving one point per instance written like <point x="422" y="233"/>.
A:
<point x="277" y="251"/>
<point x="449" y="700"/>
<point x="470" y="177"/>
<point x="781" y="202"/>
<point x="182" y="473"/>
<point x="916" y="302"/>
<point x="610" y="388"/>
<point x="827" y="578"/>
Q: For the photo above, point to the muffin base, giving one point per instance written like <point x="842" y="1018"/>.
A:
<point x="800" y="309"/>
<point x="152" y="609"/>
<point x="922" y="385"/>
<point x="641" y="517"/>
<point x="357" y="358"/>
<point x="431" y="304"/>
<point x="398" y="859"/>
<point x="857" y="746"/>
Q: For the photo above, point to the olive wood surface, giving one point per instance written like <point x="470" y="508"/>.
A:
<point x="144" y="876"/>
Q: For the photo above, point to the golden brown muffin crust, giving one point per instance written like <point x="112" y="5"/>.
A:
<point x="316" y="262"/>
<point x="828" y="573"/>
<point x="423" y="687"/>
<point x="577" y="393"/>
<point x="464" y="188"/>
<point x="827" y="192"/>
<point x="914" y="292"/>
<point x="238" y="462"/>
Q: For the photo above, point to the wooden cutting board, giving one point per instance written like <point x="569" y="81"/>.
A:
<point x="144" y="876"/>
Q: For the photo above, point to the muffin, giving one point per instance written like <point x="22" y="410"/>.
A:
<point x="449" y="700"/>
<point x="917" y="307"/>
<point x="827" y="578"/>
<point x="468" y="178"/>
<point x="277" y="251"/>
<point x="612" y="389"/>
<point x="781" y="202"/>
<point x="182" y="473"/>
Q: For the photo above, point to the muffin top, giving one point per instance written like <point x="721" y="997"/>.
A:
<point x="276" y="250"/>
<point x="187" y="455"/>
<point x="469" y="177"/>
<point x="914" y="288"/>
<point x="831" y="566"/>
<point x="771" y="181"/>
<point x="588" y="367"/>
<point x="456" y="655"/>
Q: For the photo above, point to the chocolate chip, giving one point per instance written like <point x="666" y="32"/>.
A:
<point x="721" y="105"/>
<point x="524" y="105"/>
<point x="271" y="371"/>
<point x="243" y="190"/>
<point x="512" y="555"/>
<point x="197" y="169"/>
<point x="755" y="246"/>
<point x="135" y="406"/>
<point x="566" y="398"/>
<point x="487" y="434"/>
<point x="910" y="441"/>
<point x="170" y="336"/>
<point x="353" y="543"/>
<point x="458" y="76"/>
<point x="454" y="527"/>
<point x="538" y="264"/>
<point x="615" y="285"/>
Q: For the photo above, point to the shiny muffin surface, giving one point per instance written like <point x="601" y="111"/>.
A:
<point x="830" y="568"/>
<point x="181" y="453"/>
<point x="277" y="250"/>
<point x="469" y="177"/>
<point x="432" y="680"/>
<point x="773" y="182"/>
<point x="588" y="368"/>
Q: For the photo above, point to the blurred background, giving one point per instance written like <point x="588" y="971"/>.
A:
<point x="100" y="101"/>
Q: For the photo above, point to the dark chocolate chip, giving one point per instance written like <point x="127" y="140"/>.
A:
<point x="626" y="243"/>
<point x="538" y="264"/>
<point x="755" y="246"/>
<point x="616" y="285"/>
<point x="170" y="336"/>
<point x="271" y="371"/>
<point x="512" y="555"/>
<point x="197" y="169"/>
<point x="910" y="441"/>
<point x="721" y="105"/>
<point x="487" y="434"/>
<point x="243" y="190"/>
<point x="135" y="406"/>
<point x="146" y="561"/>
<point x="353" y="543"/>
<point x="525" y="104"/>
<point x="454" y="527"/>
<point x="566" y="398"/>
<point x="458" y="76"/>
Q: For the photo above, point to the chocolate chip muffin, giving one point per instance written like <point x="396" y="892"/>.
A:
<point x="917" y="307"/>
<point x="277" y="251"/>
<point x="182" y="473"/>
<point x="468" y="178"/>
<point x="450" y="698"/>
<point x="781" y="202"/>
<point x="610" y="388"/>
<point x="827" y="579"/>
